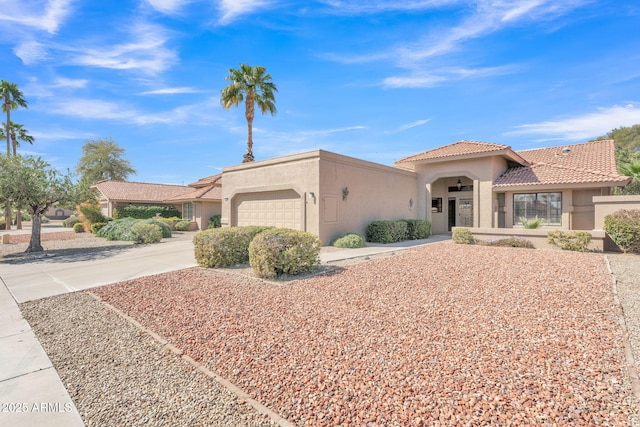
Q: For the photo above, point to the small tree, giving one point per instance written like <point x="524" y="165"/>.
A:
<point x="103" y="159"/>
<point x="31" y="183"/>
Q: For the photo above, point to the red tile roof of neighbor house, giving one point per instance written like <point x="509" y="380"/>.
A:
<point x="591" y="162"/>
<point x="210" y="192"/>
<point x="460" y="148"/>
<point x="139" y="191"/>
<point x="209" y="180"/>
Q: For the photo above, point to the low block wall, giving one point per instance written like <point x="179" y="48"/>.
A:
<point x="606" y="205"/>
<point x="536" y="236"/>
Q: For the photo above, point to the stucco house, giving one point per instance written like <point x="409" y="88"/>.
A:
<point x="197" y="201"/>
<point x="467" y="183"/>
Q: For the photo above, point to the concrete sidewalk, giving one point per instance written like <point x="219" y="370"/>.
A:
<point x="29" y="385"/>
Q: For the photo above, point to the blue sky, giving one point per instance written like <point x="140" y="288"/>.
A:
<point x="375" y="79"/>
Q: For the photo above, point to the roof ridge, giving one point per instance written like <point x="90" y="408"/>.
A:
<point x="573" y="168"/>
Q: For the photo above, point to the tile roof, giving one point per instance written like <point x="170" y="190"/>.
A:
<point x="591" y="162"/>
<point x="460" y="148"/>
<point x="139" y="191"/>
<point x="210" y="193"/>
<point x="209" y="180"/>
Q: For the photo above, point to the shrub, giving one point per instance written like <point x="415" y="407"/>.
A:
<point x="43" y="219"/>
<point x="387" y="231"/>
<point x="146" y="233"/>
<point x="97" y="226"/>
<point x="531" y="223"/>
<point x="146" y="212"/>
<point x="623" y="227"/>
<point x="215" y="221"/>
<point x="183" y="225"/>
<point x="223" y="247"/>
<point x="510" y="242"/>
<point x="418" y="229"/>
<point x="70" y="222"/>
<point x="349" y="240"/>
<point x="122" y="229"/>
<point x="281" y="251"/>
<point x="78" y="227"/>
<point x="3" y="224"/>
<point x="170" y="222"/>
<point x="92" y="213"/>
<point x="570" y="240"/>
<point x="463" y="236"/>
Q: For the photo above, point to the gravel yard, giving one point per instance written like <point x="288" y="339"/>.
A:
<point x="438" y="335"/>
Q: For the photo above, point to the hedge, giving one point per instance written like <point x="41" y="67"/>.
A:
<point x="398" y="230"/>
<point x="224" y="247"/>
<point x="282" y="251"/>
<point x="146" y="212"/>
<point x="623" y="227"/>
<point x="122" y="229"/>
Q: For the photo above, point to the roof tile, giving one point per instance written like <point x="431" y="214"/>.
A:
<point x="459" y="148"/>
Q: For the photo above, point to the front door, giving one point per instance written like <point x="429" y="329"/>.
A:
<point x="452" y="213"/>
<point x="465" y="209"/>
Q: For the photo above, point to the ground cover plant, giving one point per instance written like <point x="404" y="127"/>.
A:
<point x="413" y="339"/>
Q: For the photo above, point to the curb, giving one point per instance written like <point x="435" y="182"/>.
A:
<point x="231" y="387"/>
<point x="628" y="352"/>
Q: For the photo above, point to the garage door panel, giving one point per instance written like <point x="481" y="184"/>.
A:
<point x="273" y="208"/>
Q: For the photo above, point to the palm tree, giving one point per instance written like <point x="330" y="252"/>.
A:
<point x="254" y="86"/>
<point x="18" y="133"/>
<point x="631" y="169"/>
<point x="13" y="98"/>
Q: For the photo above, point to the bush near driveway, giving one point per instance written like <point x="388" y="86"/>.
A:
<point x="623" y="227"/>
<point x="146" y="233"/>
<point x="122" y="229"/>
<point x="281" y="251"/>
<point x="224" y="247"/>
<point x="397" y="231"/>
<point x="350" y="241"/>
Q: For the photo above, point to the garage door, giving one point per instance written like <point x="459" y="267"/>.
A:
<point x="272" y="208"/>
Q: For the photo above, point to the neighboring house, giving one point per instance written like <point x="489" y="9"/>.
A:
<point x="467" y="183"/>
<point x="57" y="213"/>
<point x="197" y="201"/>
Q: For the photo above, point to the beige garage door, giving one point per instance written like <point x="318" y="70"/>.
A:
<point x="273" y="208"/>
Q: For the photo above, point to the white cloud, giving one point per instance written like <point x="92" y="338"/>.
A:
<point x="168" y="7"/>
<point x="145" y="52"/>
<point x="70" y="83"/>
<point x="232" y="9"/>
<point x="582" y="127"/>
<point x="31" y="52"/>
<point x="413" y="124"/>
<point x="92" y="109"/>
<point x="436" y="77"/>
<point x="170" y="91"/>
<point x="43" y="15"/>
<point x="359" y="7"/>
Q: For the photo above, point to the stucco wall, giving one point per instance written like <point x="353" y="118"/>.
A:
<point x="605" y="205"/>
<point x="202" y="211"/>
<point x="298" y="172"/>
<point x="354" y="192"/>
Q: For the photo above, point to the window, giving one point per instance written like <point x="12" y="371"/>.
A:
<point x="547" y="206"/>
<point x="436" y="205"/>
<point x="187" y="211"/>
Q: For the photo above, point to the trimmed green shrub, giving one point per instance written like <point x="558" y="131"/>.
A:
<point x="418" y="229"/>
<point x="223" y="247"/>
<point x="509" y="242"/>
<point x="215" y="221"/>
<point x="387" y="231"/>
<point x="463" y="236"/>
<point x="349" y="240"/>
<point x="531" y="223"/>
<point x="280" y="251"/>
<point x="70" y="222"/>
<point x="623" y="227"/>
<point x="146" y="232"/>
<point x="170" y="222"/>
<point x="121" y="229"/>
<point x="146" y="212"/>
<point x="97" y="226"/>
<point x="570" y="240"/>
<point x="183" y="225"/>
<point x="78" y="227"/>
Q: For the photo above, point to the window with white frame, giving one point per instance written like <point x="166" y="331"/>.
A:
<point x="546" y="206"/>
<point x="187" y="211"/>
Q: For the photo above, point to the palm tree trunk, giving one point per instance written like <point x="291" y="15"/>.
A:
<point x="249" y="114"/>
<point x="35" y="244"/>
<point x="7" y="104"/>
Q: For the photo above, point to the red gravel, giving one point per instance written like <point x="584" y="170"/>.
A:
<point x="63" y="235"/>
<point x="441" y="335"/>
